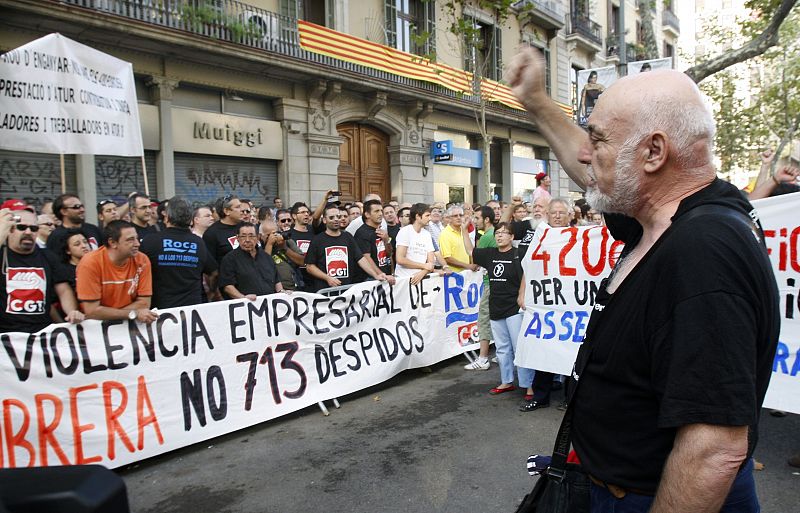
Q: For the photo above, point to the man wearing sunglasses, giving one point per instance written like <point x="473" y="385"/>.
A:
<point x="47" y="224"/>
<point x="31" y="278"/>
<point x="69" y="209"/>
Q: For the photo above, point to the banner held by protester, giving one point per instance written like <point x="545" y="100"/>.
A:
<point x="116" y="392"/>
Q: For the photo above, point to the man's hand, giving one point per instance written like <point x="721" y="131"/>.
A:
<point x="787" y="174"/>
<point x="250" y="297"/>
<point x="473" y="267"/>
<point x="418" y="277"/>
<point x="146" y="316"/>
<point x="430" y="267"/>
<point x="767" y="156"/>
<point x="526" y="77"/>
<point x="75" y="317"/>
<point x="6" y="223"/>
<point x="332" y="282"/>
<point x="516" y="200"/>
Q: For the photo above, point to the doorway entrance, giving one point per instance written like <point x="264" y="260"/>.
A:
<point x="363" y="162"/>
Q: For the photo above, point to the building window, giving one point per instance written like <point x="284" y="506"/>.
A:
<point x="542" y="47"/>
<point x="483" y="50"/>
<point x="614" y="25"/>
<point x="669" y="50"/>
<point x="315" y="11"/>
<point x="411" y="26"/>
<point x="573" y="80"/>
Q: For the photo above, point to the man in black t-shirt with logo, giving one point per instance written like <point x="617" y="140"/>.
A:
<point x="70" y="210"/>
<point x="220" y="238"/>
<point x="141" y="209"/>
<point x="334" y="254"/>
<point x="32" y="278"/>
<point x="373" y="241"/>
<point x="301" y="233"/>
<point x="678" y="352"/>
<point x="178" y="259"/>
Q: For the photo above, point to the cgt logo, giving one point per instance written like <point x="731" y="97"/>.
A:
<point x="336" y="261"/>
<point x="26" y="288"/>
<point x="468" y="334"/>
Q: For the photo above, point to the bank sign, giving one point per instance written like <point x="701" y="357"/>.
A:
<point x="444" y="153"/>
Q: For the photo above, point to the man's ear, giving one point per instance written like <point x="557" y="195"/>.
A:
<point x="657" y="152"/>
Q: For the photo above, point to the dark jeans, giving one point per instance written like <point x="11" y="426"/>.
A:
<point x="741" y="499"/>
<point x="542" y="384"/>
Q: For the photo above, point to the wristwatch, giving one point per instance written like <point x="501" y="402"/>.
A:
<point x="132" y="314"/>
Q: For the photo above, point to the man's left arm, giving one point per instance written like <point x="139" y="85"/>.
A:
<point x="69" y="303"/>
<point x="700" y="469"/>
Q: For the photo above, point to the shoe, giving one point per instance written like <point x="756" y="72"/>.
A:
<point x="478" y="364"/>
<point x="794" y="461"/>
<point x="533" y="405"/>
<point x="494" y="359"/>
<point x="528" y="398"/>
<point x="498" y="390"/>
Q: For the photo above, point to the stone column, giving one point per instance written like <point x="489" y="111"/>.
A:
<point x="481" y="177"/>
<point x="293" y="179"/>
<point x="87" y="185"/>
<point x="412" y="181"/>
<point x="507" y="152"/>
<point x="161" y="89"/>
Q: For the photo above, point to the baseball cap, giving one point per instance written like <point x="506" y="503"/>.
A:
<point x="540" y="176"/>
<point x="17" y="204"/>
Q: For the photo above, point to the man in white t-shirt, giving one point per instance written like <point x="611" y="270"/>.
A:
<point x="415" y="252"/>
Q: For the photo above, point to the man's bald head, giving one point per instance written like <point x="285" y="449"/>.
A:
<point x="665" y="101"/>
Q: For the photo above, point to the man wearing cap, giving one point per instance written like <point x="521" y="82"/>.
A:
<point x="47" y="223"/>
<point x="542" y="187"/>
<point x="32" y="278"/>
<point x="69" y="209"/>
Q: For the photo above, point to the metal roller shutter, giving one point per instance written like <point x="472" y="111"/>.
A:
<point x="119" y="176"/>
<point x="34" y="177"/>
<point x="201" y="179"/>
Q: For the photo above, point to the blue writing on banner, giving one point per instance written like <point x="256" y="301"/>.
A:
<point x="572" y="326"/>
<point x="454" y="297"/>
<point x="782" y="360"/>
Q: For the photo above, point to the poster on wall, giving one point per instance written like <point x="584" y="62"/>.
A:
<point x="591" y="84"/>
<point x="636" y="67"/>
<point x="60" y="96"/>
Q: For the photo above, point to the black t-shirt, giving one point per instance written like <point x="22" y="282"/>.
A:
<point x="688" y="337"/>
<point x="393" y="230"/>
<point x="144" y="231"/>
<point x="220" y="239"/>
<point x="523" y="232"/>
<point x="336" y="256"/>
<point x="505" y="275"/>
<point x="27" y="289"/>
<point x="369" y="243"/>
<point x="57" y="240"/>
<point x="303" y="240"/>
<point x="178" y="259"/>
<point x="249" y="275"/>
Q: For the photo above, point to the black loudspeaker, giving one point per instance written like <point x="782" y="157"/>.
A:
<point x="69" y="489"/>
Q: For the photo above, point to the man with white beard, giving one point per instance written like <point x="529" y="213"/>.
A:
<point x="525" y="230"/>
<point x="681" y="340"/>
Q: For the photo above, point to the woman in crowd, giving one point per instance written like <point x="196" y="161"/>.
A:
<point x="75" y="247"/>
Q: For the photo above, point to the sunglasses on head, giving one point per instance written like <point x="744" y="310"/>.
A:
<point x="22" y="227"/>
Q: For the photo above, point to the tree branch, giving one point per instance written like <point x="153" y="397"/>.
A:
<point x="753" y="48"/>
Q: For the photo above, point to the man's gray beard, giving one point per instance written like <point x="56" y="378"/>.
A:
<point x="624" y="197"/>
<point x="535" y="222"/>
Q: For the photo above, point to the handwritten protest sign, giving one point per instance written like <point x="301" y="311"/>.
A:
<point x="59" y="96"/>
<point x="564" y="267"/>
<point x="115" y="392"/>
<point x="782" y="234"/>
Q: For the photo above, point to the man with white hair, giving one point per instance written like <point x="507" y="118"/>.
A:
<point x="681" y="340"/>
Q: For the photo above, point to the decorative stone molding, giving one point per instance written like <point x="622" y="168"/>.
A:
<point x="376" y="104"/>
<point x="162" y="87"/>
<point x="323" y="146"/>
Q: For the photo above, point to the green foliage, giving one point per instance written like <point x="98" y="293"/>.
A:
<point x="205" y="14"/>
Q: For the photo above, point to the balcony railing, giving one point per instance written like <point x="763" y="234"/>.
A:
<point x="583" y="26"/>
<point x="551" y="8"/>
<point x="612" y="48"/>
<point x="670" y="19"/>
<point x="240" y="23"/>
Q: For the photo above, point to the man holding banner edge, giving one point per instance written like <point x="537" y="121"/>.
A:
<point x="698" y="294"/>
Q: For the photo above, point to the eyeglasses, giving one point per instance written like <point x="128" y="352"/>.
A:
<point x="245" y="211"/>
<point x="247" y="236"/>
<point x="301" y="212"/>
<point x="75" y="207"/>
<point x="47" y="224"/>
<point x="334" y="217"/>
<point x="289" y="220"/>
<point x="22" y="227"/>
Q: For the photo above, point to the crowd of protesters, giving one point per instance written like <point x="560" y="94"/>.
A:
<point x="149" y="255"/>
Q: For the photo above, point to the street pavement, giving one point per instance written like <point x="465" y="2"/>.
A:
<point x="422" y="442"/>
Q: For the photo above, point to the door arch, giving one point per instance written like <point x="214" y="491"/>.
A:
<point x="363" y="162"/>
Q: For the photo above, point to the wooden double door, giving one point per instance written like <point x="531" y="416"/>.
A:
<point x="363" y="162"/>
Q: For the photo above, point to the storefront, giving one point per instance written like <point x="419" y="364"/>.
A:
<point x="454" y="180"/>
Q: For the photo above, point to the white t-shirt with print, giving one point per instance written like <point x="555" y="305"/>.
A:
<point x="418" y="244"/>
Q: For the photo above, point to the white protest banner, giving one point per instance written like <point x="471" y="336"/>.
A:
<point x="115" y="392"/>
<point x="59" y="96"/>
<point x="563" y="269"/>
<point x="782" y="234"/>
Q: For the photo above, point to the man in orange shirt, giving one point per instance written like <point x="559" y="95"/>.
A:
<point x="115" y="281"/>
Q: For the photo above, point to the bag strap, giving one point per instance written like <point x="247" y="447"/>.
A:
<point x="558" y="465"/>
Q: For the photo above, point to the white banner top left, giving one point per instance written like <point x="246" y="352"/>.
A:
<point x="60" y="96"/>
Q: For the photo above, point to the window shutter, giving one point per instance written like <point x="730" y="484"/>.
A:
<point x="497" y="60"/>
<point x="430" y="26"/>
<point x="390" y="24"/>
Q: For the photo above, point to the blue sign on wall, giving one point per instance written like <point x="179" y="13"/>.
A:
<point x="459" y="157"/>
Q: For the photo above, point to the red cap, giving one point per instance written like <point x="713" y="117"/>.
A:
<point x="541" y="176"/>
<point x="16" y="204"/>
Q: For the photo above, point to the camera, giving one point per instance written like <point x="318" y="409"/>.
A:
<point x="334" y="197"/>
<point x="17" y="218"/>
